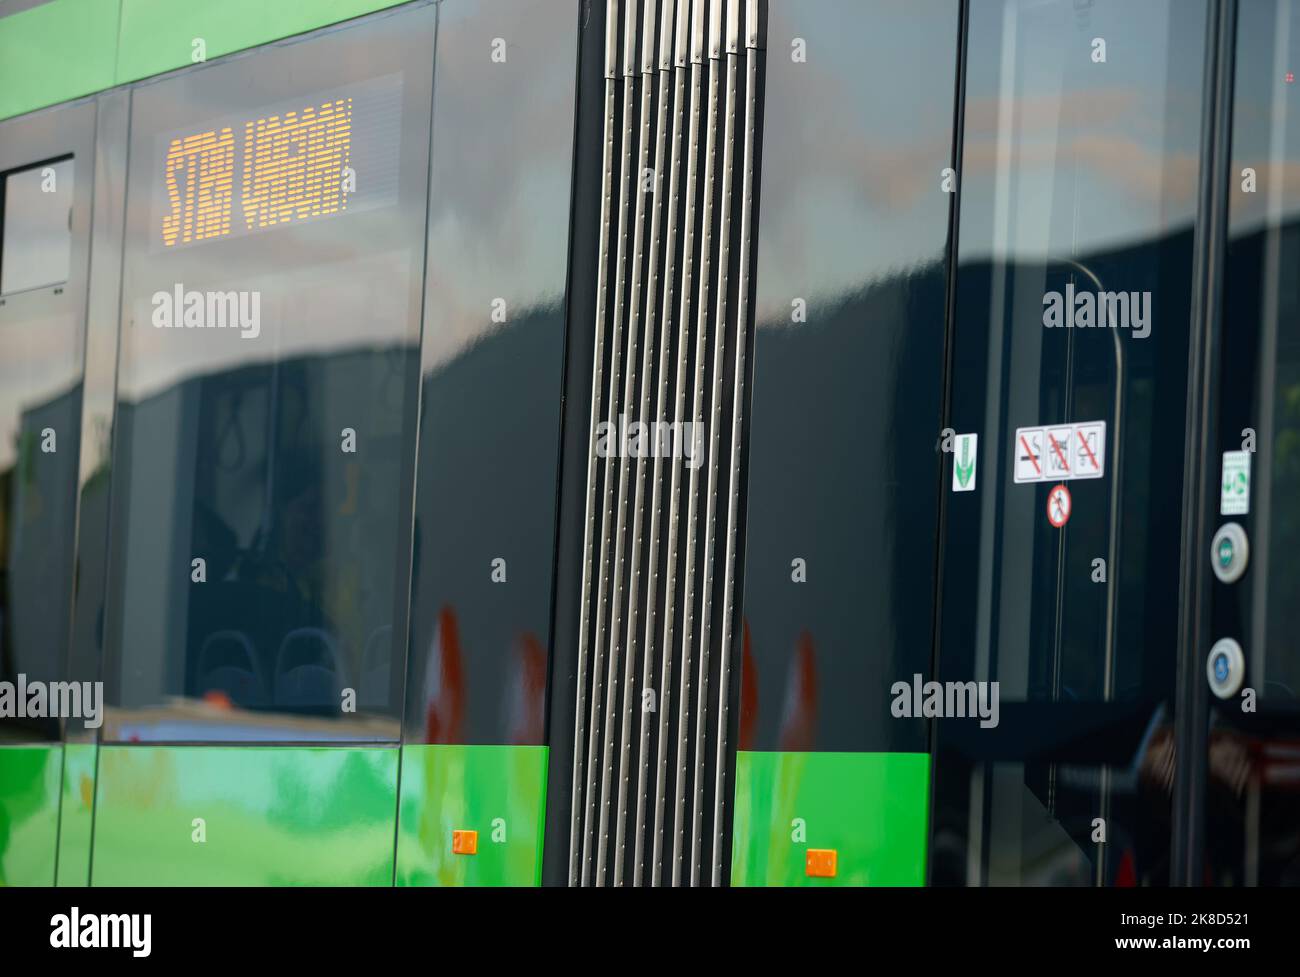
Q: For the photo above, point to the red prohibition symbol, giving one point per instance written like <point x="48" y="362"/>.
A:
<point x="1058" y="506"/>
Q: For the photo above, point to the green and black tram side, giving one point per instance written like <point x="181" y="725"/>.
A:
<point x="649" y="442"/>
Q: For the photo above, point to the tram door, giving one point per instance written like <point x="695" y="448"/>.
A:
<point x="1067" y="401"/>
<point x="1250" y="655"/>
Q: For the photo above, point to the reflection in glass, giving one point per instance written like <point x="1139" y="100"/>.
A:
<point x="848" y="374"/>
<point x="492" y="375"/>
<point x="40" y="421"/>
<point x="263" y="473"/>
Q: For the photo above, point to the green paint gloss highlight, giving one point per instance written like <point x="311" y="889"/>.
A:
<point x="497" y="790"/>
<point x="76" y="814"/>
<point x="870" y="807"/>
<point x="29" y="813"/>
<point x="272" y="815"/>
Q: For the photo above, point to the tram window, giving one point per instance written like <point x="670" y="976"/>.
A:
<point x="37" y="218"/>
<point x="267" y="391"/>
<point x="486" y="492"/>
<point x="847" y="377"/>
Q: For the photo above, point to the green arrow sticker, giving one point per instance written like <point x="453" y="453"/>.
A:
<point x="964" y="455"/>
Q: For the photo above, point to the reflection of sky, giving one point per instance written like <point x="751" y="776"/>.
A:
<point x="504" y="232"/>
<point x="1071" y="155"/>
<point x="869" y="182"/>
<point x="320" y="308"/>
<point x="1263" y="137"/>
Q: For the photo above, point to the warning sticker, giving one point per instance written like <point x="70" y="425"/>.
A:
<point x="1029" y="454"/>
<point x="1234" y="500"/>
<point x="1058" y="506"/>
<point x="1089" y="447"/>
<point x="1061" y="453"/>
<point x="1057" y="454"/>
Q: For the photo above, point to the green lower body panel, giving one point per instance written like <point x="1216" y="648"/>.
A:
<point x="871" y="808"/>
<point x="29" y="813"/>
<point x="216" y="815"/>
<point x="76" y="813"/>
<point x="497" y="791"/>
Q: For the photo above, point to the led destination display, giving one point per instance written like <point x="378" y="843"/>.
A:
<point x="293" y="161"/>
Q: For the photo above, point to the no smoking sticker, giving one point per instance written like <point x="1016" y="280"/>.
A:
<point x="1058" y="506"/>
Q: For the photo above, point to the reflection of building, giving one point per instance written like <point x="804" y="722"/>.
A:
<point x="297" y="536"/>
<point x="36" y="538"/>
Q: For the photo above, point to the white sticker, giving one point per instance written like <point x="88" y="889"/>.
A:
<point x="1235" y="497"/>
<point x="1089" y="450"/>
<point x="1060" y="454"/>
<point x="965" y="453"/>
<point x="1056" y="454"/>
<point x="1029" y="454"/>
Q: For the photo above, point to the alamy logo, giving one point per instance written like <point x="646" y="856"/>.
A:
<point x="179" y="309"/>
<point x="1086" y="310"/>
<point x="102" y="930"/>
<point x="53" y="700"/>
<point x="658" y="439"/>
<point x="945" y="700"/>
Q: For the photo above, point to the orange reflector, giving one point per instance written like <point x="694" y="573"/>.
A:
<point x="822" y="863"/>
<point x="464" y="842"/>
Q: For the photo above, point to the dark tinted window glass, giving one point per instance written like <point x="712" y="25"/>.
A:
<point x="37" y="216"/>
<point x="1079" y="177"/>
<point x="848" y="368"/>
<point x="267" y="390"/>
<point x="492" y="373"/>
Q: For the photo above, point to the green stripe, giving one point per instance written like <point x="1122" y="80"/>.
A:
<point x="159" y="35"/>
<point x="60" y="50"/>
<point x="870" y="807"/>
<point x="65" y="49"/>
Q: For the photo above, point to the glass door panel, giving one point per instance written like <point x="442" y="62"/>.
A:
<point x="1060" y="566"/>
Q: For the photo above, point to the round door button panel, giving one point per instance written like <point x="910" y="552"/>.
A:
<point x="1226" y="668"/>
<point x="1230" y="552"/>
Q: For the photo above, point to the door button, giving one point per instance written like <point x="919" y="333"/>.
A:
<point x="1226" y="668"/>
<point x="1229" y="552"/>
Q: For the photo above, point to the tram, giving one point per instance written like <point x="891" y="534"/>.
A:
<point x="649" y="442"/>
